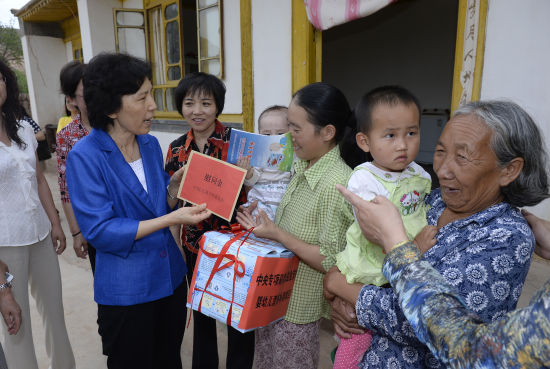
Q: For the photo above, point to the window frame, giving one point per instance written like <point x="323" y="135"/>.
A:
<point x="168" y="84"/>
<point x="219" y="5"/>
<point x="76" y="45"/>
<point x="148" y="6"/>
<point x="143" y="27"/>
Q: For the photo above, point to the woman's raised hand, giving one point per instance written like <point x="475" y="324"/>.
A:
<point x="425" y="239"/>
<point x="190" y="214"/>
<point x="263" y="226"/>
<point x="183" y="215"/>
<point x="378" y="219"/>
<point x="244" y="215"/>
<point x="175" y="180"/>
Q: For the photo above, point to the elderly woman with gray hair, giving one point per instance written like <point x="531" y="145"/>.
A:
<point x="490" y="160"/>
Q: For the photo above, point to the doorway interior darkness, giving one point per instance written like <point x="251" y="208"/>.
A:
<point x="410" y="43"/>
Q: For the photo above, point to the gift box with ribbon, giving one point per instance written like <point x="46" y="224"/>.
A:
<point x="249" y="279"/>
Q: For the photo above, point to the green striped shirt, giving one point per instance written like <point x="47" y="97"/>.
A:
<point x="313" y="210"/>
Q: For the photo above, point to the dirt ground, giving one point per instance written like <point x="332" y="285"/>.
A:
<point x="81" y="311"/>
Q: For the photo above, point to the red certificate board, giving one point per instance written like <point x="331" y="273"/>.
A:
<point x="211" y="181"/>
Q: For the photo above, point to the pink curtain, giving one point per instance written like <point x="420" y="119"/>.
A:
<point x="324" y="14"/>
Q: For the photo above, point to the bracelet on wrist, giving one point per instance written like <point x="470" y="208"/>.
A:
<point x="400" y="244"/>
<point x="76" y="234"/>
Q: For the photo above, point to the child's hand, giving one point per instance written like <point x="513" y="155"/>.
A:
<point x="425" y="239"/>
<point x="244" y="162"/>
<point x="190" y="215"/>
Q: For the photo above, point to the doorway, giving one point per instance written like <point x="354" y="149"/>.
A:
<point x="409" y="43"/>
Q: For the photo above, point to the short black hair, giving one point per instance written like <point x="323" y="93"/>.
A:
<point x="70" y="76"/>
<point x="203" y="83"/>
<point x="109" y="77"/>
<point x="387" y="95"/>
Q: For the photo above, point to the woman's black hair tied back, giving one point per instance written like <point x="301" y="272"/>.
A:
<point x="350" y="152"/>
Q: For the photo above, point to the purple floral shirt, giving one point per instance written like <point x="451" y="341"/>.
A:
<point x="485" y="257"/>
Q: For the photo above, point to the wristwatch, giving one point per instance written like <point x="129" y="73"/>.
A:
<point x="9" y="278"/>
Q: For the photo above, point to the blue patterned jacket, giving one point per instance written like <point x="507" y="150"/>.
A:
<point x="456" y="336"/>
<point x="485" y="257"/>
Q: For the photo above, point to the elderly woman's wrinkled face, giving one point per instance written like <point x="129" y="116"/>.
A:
<point x="467" y="167"/>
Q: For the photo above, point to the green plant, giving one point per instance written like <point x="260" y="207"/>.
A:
<point x="11" y="49"/>
<point x="22" y="81"/>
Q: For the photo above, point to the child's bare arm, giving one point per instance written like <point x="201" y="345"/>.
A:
<point x="425" y="239"/>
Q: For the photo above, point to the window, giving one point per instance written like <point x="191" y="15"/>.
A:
<point x="77" y="49"/>
<point x="77" y="55"/>
<point x="130" y="32"/>
<point x="177" y="37"/>
<point x="165" y="51"/>
<point x="210" y="37"/>
<point x="71" y="33"/>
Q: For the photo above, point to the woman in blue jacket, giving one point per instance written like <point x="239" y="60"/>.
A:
<point x="122" y="200"/>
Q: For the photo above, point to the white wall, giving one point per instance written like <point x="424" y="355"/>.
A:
<point x="272" y="51"/>
<point x="69" y="50"/>
<point x="165" y="138"/>
<point x="232" y="57"/>
<point x="96" y="26"/>
<point x="43" y="76"/>
<point x="517" y="60"/>
<point x="131" y="4"/>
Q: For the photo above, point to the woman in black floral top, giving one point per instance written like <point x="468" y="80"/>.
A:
<point x="200" y="99"/>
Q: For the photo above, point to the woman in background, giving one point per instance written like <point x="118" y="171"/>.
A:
<point x="200" y="99"/>
<point x="70" y="79"/>
<point x="31" y="236"/>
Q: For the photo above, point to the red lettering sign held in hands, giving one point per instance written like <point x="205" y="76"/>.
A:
<point x="211" y="181"/>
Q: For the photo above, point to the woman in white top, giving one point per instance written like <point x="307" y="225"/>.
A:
<point x="30" y="236"/>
